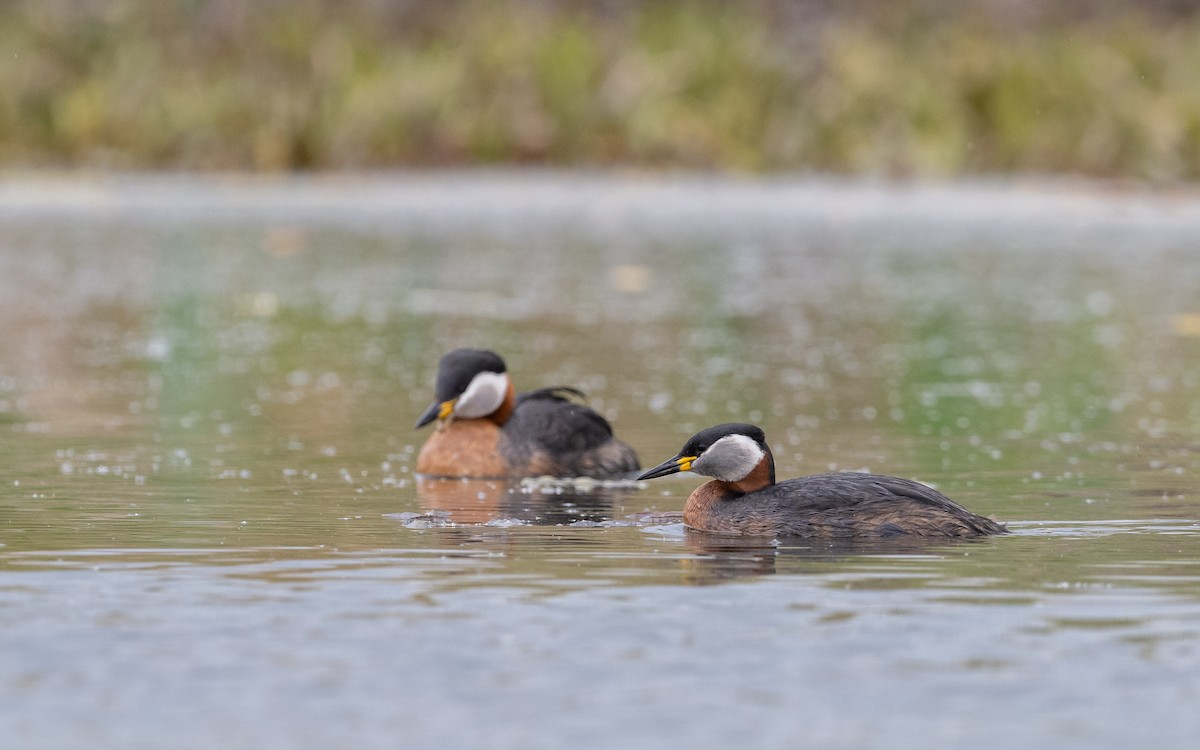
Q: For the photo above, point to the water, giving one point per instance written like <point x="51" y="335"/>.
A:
<point x="210" y="532"/>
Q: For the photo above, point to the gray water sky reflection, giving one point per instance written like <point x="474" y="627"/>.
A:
<point x="359" y="649"/>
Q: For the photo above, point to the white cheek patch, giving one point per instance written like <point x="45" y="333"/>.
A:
<point x="730" y="459"/>
<point x="483" y="396"/>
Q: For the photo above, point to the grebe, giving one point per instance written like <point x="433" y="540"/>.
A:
<point x="486" y="429"/>
<point x="743" y="497"/>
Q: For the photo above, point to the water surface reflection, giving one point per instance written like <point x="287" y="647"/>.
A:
<point x="211" y="533"/>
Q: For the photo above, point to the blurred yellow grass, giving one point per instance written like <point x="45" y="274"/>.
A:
<point x="1186" y="324"/>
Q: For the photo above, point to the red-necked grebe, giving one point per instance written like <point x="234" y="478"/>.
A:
<point x="743" y="497"/>
<point x="486" y="429"/>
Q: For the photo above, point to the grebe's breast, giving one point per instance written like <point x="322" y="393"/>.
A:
<point x="464" y="448"/>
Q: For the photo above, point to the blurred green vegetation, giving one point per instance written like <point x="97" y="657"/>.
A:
<point x="862" y="86"/>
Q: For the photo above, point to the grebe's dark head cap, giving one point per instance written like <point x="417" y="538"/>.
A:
<point x="458" y="367"/>
<point x="702" y="440"/>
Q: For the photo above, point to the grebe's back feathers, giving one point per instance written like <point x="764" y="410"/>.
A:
<point x="549" y="418"/>
<point x="829" y="502"/>
<point x="564" y="438"/>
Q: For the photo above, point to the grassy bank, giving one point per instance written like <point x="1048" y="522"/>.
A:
<point x="758" y="86"/>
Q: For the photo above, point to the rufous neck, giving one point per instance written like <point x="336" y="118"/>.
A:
<point x="759" y="478"/>
<point x="501" y="415"/>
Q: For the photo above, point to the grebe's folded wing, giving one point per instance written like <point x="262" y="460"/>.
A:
<point x="548" y="417"/>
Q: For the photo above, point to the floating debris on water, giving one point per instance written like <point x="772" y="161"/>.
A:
<point x="608" y="524"/>
<point x="656" y="517"/>
<point x="548" y="485"/>
<point x="672" y="530"/>
<point x="432" y="519"/>
<point x="505" y="523"/>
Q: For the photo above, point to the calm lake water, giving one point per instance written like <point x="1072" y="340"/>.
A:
<point x="211" y="535"/>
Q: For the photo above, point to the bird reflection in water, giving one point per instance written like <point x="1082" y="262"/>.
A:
<point x="542" y="501"/>
<point x="718" y="558"/>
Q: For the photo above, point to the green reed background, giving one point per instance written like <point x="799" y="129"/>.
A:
<point x="864" y="86"/>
